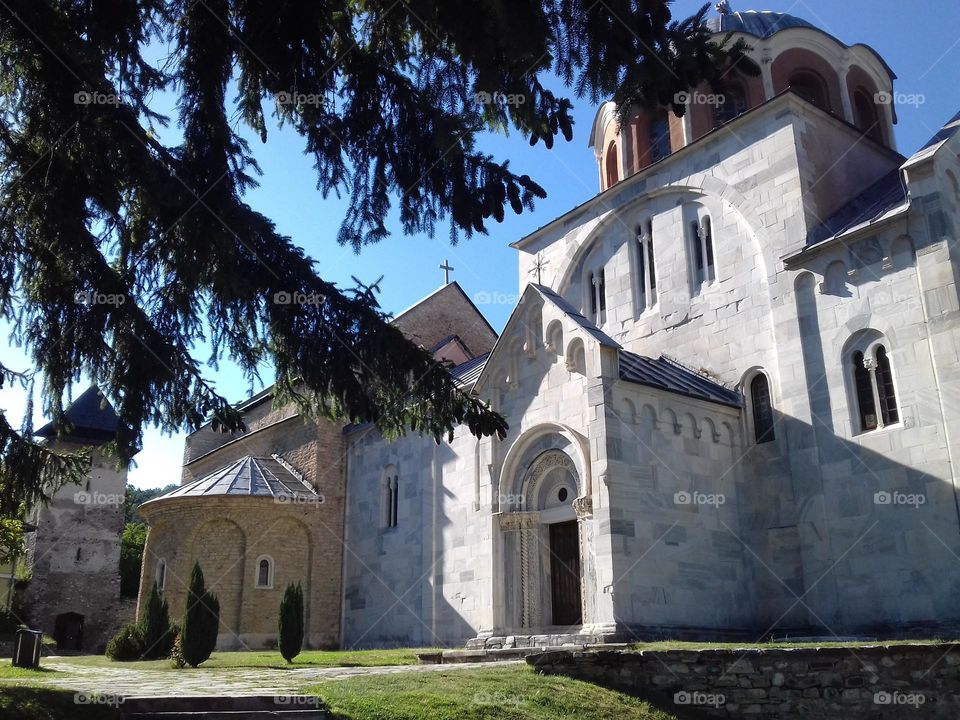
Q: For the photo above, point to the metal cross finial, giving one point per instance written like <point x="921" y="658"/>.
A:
<point x="447" y="268"/>
<point x="538" y="267"/>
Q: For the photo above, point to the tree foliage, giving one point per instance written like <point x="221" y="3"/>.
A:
<point x="132" y="542"/>
<point x="119" y="253"/>
<point x="291" y="621"/>
<point x="201" y="621"/>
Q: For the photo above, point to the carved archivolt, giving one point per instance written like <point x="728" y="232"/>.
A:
<point x="546" y="463"/>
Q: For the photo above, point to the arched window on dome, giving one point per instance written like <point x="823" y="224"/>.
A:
<point x="659" y="136"/>
<point x="811" y="87"/>
<point x="264" y="580"/>
<point x="611" y="165"/>
<point x="734" y="103"/>
<point x="866" y="115"/>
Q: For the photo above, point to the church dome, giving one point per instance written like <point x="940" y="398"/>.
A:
<point x="762" y="24"/>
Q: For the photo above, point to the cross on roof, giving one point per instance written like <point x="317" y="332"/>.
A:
<point x="538" y="267"/>
<point x="446" y="267"/>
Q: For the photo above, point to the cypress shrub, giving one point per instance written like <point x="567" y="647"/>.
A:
<point x="157" y="635"/>
<point x="201" y="620"/>
<point x="291" y="622"/>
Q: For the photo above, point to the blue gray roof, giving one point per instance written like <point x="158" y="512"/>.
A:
<point x="668" y="375"/>
<point x="575" y="315"/>
<point x="248" y="476"/>
<point x="886" y="194"/>
<point x="762" y="24"/>
<point x="466" y="373"/>
<point x="90" y="418"/>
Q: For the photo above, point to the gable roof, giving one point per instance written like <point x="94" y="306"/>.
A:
<point x="668" y="375"/>
<point x="578" y="317"/>
<point x="886" y="195"/>
<point x="90" y="418"/>
<point x="949" y="129"/>
<point x="443" y="313"/>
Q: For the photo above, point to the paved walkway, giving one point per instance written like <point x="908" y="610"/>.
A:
<point x="220" y="681"/>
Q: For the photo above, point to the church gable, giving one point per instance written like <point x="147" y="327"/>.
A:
<point x="447" y="313"/>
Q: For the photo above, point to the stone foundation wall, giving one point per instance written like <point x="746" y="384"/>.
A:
<point x="818" y="683"/>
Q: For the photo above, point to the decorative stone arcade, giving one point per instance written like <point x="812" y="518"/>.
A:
<point x="547" y="562"/>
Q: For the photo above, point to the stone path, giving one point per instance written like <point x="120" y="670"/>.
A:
<point x="221" y="681"/>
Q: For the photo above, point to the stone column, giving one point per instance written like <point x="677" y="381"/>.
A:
<point x="527" y="524"/>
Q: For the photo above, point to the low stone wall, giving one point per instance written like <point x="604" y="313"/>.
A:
<point x="904" y="681"/>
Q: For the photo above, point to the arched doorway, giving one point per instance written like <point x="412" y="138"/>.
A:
<point x="543" y="547"/>
<point x="68" y="632"/>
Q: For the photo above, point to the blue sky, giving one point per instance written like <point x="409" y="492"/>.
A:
<point x="918" y="39"/>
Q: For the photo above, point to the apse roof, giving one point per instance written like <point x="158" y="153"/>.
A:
<point x="668" y="375"/>
<point x="91" y="418"/>
<point x="248" y="476"/>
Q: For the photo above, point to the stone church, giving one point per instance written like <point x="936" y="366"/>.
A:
<point x="732" y="388"/>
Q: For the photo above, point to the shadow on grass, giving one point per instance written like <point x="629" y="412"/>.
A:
<point x="29" y="703"/>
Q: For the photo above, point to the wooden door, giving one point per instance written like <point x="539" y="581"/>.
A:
<point x="565" y="573"/>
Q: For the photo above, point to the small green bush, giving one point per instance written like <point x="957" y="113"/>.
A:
<point x="127" y="645"/>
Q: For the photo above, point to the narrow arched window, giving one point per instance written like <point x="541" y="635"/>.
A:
<point x="264" y="572"/>
<point x="611" y="165"/>
<point x="391" y="500"/>
<point x="885" y="392"/>
<point x="734" y="104"/>
<point x="866" y="116"/>
<point x="160" y="577"/>
<point x="863" y="385"/>
<point x="597" y="287"/>
<point x="701" y="242"/>
<point x="762" y="409"/>
<point x="646" y="267"/>
<point x="659" y="137"/>
<point x="810" y="86"/>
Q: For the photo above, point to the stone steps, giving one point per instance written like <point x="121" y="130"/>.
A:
<point x="473" y="655"/>
<point x="253" y="707"/>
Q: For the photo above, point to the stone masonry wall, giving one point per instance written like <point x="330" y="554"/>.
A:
<point x="920" y="681"/>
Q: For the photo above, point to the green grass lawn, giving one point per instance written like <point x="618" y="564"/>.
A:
<point x="269" y="659"/>
<point x="33" y="703"/>
<point x="514" y="693"/>
<point x="786" y="644"/>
